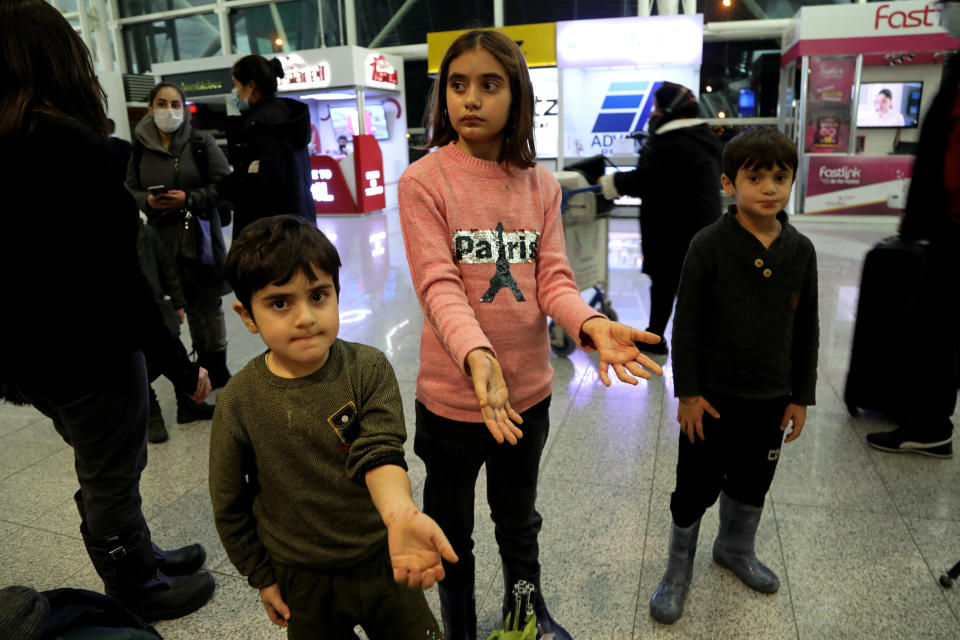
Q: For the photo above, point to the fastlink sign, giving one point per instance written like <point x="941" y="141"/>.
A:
<point x="300" y="75"/>
<point x="846" y="29"/>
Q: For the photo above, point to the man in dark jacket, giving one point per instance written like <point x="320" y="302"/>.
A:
<point x="678" y="180"/>
<point x="933" y="213"/>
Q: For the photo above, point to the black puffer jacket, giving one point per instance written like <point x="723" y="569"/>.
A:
<point x="678" y="179"/>
<point x="271" y="168"/>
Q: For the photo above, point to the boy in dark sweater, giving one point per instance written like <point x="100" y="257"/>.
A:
<point x="307" y="476"/>
<point x="745" y="338"/>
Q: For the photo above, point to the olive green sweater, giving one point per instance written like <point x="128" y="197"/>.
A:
<point x="288" y="459"/>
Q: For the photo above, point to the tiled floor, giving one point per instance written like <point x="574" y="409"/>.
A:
<point x="858" y="537"/>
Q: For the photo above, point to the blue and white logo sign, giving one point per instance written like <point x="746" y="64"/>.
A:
<point x="626" y="107"/>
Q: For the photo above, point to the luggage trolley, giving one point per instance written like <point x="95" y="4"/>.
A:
<point x="585" y="229"/>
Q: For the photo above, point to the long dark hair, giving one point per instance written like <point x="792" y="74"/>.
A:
<point x="262" y="72"/>
<point x="46" y="68"/>
<point x="518" y="146"/>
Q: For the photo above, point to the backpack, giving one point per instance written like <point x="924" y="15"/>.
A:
<point x="199" y="152"/>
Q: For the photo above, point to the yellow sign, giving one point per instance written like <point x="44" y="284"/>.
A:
<point x="537" y="41"/>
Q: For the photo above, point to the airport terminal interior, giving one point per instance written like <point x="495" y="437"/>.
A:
<point x="859" y="537"/>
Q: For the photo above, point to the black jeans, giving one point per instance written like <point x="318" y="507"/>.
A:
<point x="738" y="455"/>
<point x="453" y="453"/>
<point x="107" y="429"/>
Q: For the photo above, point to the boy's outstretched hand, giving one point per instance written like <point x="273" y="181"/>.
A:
<point x="494" y="398"/>
<point x="614" y="342"/>
<point x="276" y="608"/>
<point x="416" y="545"/>
<point x="798" y="415"/>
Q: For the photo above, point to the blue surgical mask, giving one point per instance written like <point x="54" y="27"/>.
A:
<point x="241" y="103"/>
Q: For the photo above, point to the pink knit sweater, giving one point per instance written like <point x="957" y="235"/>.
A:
<point x="488" y="261"/>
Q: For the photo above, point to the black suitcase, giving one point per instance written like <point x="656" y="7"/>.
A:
<point x="889" y="285"/>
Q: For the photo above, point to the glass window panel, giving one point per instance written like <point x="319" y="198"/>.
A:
<point x="533" y="11"/>
<point x="740" y="78"/>
<point x="420" y="17"/>
<point x="168" y="40"/>
<point x="65" y="6"/>
<point x="255" y="29"/>
<point x="130" y="8"/>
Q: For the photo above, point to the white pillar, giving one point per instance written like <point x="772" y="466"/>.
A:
<point x="668" y="7"/>
<point x="351" y="16"/>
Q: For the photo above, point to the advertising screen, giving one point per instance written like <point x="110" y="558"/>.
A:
<point x="889" y="104"/>
<point x="345" y="122"/>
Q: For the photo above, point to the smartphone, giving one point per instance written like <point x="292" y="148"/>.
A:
<point x="157" y="190"/>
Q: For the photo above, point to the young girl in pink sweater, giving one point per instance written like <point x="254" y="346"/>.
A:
<point x="481" y="224"/>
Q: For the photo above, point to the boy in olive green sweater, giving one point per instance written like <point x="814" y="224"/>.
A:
<point x="307" y="476"/>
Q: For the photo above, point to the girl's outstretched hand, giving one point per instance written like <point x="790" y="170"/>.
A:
<point x="614" y="342"/>
<point x="494" y="399"/>
<point x="416" y="545"/>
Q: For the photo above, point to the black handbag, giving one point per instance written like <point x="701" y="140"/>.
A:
<point x="196" y="241"/>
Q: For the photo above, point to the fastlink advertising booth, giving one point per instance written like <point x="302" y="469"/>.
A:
<point x="355" y="161"/>
<point x="868" y="73"/>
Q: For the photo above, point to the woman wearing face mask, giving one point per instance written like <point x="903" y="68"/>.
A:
<point x="268" y="148"/>
<point x="169" y="153"/>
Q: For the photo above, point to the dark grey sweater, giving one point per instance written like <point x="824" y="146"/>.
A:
<point x="746" y="323"/>
<point x="288" y="458"/>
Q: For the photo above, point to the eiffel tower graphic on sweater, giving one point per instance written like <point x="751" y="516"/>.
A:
<point x="503" y="277"/>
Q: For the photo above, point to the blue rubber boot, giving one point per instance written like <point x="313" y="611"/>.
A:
<point x="666" y="605"/>
<point x="547" y="627"/>
<point x="734" y="546"/>
<point x="458" y="612"/>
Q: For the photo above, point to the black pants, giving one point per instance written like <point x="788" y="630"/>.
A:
<point x="107" y="429"/>
<point x="932" y="383"/>
<point x="663" y="293"/>
<point x="738" y="456"/>
<point x="327" y="605"/>
<point x="453" y="453"/>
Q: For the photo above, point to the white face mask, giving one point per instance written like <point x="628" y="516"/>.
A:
<point x="950" y="18"/>
<point x="168" y="120"/>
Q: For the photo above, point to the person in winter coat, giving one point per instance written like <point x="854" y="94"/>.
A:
<point x="268" y="148"/>
<point x="77" y="315"/>
<point x="933" y="213"/>
<point x="678" y="179"/>
<point x="172" y="175"/>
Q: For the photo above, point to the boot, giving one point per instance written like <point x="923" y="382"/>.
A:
<point x="215" y="362"/>
<point x="190" y="411"/>
<point x="128" y="568"/>
<point x="176" y="562"/>
<point x="156" y="429"/>
<point x="734" y="546"/>
<point x="546" y="625"/>
<point x="459" y="613"/>
<point x="666" y="605"/>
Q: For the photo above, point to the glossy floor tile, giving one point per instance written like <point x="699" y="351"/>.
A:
<point x="858" y="537"/>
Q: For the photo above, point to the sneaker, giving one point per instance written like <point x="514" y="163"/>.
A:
<point x="659" y="349"/>
<point x="898" y="441"/>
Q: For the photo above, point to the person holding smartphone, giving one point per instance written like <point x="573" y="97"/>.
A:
<point x="172" y="175"/>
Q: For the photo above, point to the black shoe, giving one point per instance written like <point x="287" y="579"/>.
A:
<point x="180" y="562"/>
<point x="458" y="612"/>
<point x="190" y="411"/>
<point x="547" y="627"/>
<point x="901" y="440"/>
<point x="659" y="349"/>
<point x="215" y="362"/>
<point x="128" y="567"/>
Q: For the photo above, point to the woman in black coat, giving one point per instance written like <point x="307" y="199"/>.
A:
<point x="678" y="180"/>
<point x="268" y="148"/>
<point x="77" y="314"/>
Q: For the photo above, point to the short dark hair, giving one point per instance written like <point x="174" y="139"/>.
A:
<point x="886" y="92"/>
<point x="759" y="148"/>
<point x="162" y="85"/>
<point x="46" y="68"/>
<point x="518" y="145"/>
<point x="272" y="250"/>
<point x="262" y="72"/>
